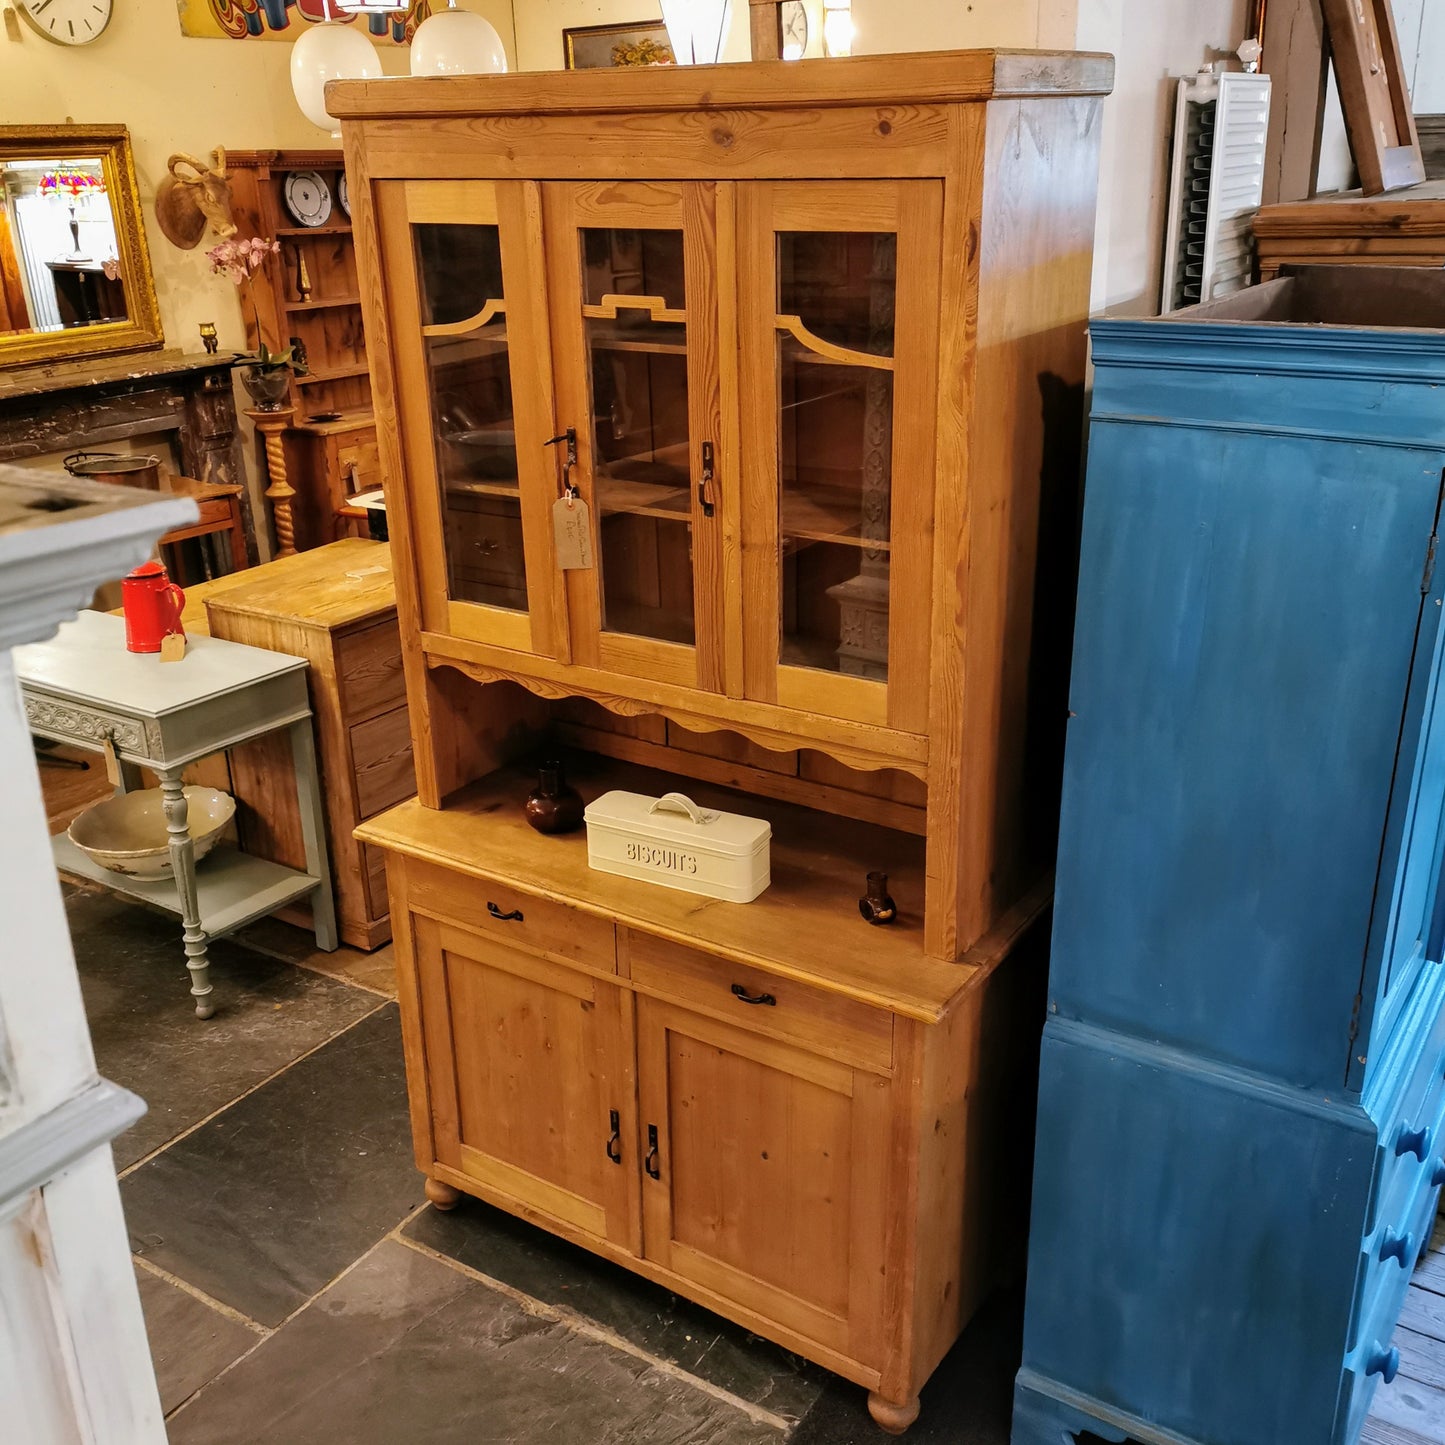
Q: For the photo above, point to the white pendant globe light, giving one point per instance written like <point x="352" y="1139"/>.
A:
<point x="324" y="52"/>
<point x="696" y="29"/>
<point x="457" y="42"/>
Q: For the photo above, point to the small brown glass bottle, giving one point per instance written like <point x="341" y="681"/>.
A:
<point x="552" y="806"/>
<point x="877" y="905"/>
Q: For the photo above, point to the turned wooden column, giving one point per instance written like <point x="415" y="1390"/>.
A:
<point x="280" y="492"/>
<point x="765" y="22"/>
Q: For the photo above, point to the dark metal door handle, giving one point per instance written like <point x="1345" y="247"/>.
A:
<point x="650" y="1163"/>
<point x="704" y="485"/>
<point x="515" y="916"/>
<point x="614" y="1142"/>
<point x="743" y="996"/>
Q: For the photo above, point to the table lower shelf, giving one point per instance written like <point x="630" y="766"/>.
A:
<point x="233" y="887"/>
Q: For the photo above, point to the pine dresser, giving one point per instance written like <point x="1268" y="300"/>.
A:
<point x="1242" y="1087"/>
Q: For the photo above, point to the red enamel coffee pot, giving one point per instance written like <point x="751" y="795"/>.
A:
<point x="152" y="605"/>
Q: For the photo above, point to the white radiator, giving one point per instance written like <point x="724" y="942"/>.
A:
<point x="1221" y="122"/>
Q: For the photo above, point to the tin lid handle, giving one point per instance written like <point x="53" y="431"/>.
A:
<point x="681" y="803"/>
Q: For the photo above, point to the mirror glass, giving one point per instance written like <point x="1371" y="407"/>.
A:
<point x="59" y="255"/>
<point x="75" y="275"/>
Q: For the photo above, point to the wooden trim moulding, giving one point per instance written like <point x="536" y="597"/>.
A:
<point x="943" y="77"/>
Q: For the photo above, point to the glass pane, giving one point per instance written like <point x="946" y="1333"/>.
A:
<point x="641" y="477"/>
<point x="618" y="262"/>
<point x="841" y="285"/>
<point x="471" y="400"/>
<point x="835" y="451"/>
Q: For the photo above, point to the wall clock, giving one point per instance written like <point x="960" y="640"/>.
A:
<point x="67" y="22"/>
<point x="308" y="198"/>
<point x="794" y="20"/>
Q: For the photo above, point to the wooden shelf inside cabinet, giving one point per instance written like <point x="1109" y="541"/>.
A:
<point x="330" y="303"/>
<point x="315" y="378"/>
<point x="330" y="229"/>
<point x="819" y="863"/>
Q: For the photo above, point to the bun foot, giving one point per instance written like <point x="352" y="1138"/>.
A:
<point x="892" y="1417"/>
<point x="443" y="1196"/>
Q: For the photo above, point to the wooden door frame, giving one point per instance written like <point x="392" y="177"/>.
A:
<point x="860" y="1334"/>
<point x="618" y="1211"/>
<point x="513" y="207"/>
<point x="689" y="207"/>
<point x="913" y="209"/>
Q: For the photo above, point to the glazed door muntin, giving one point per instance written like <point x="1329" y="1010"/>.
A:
<point x="479" y="503"/>
<point x="633" y="286"/>
<point x="837" y="523"/>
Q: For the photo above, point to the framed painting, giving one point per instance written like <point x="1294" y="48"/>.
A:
<point x="603" y="47"/>
<point x="284" y="20"/>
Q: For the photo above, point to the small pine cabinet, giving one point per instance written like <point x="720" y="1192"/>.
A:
<point x="729" y="424"/>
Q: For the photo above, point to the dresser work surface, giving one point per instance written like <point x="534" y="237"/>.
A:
<point x="84" y="688"/>
<point x="1242" y="1088"/>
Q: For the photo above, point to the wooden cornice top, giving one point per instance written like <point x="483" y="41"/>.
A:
<point x="934" y="77"/>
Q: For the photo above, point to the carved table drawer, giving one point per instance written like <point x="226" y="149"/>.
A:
<point x="822" y="1022"/>
<point x="89" y="725"/>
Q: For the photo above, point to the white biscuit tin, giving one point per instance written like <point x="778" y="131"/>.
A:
<point x="671" y="841"/>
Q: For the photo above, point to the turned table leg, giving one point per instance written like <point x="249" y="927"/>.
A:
<point x="442" y="1196"/>
<point x="183" y="864"/>
<point x="890" y="1416"/>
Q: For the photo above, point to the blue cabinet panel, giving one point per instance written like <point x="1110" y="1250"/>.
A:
<point x="1242" y="1093"/>
<point x="1240" y="593"/>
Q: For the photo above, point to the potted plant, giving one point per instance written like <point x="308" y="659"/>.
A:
<point x="266" y="374"/>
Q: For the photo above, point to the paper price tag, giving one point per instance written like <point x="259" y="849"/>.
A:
<point x="572" y="531"/>
<point x="173" y="647"/>
<point x="112" y="763"/>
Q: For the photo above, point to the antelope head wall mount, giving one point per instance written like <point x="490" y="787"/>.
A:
<point x="195" y="194"/>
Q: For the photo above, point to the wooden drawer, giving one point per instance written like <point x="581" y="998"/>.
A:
<point x="813" y="1019"/>
<point x="381" y="759"/>
<point x="553" y="930"/>
<point x="368" y="670"/>
<point x="358" y="460"/>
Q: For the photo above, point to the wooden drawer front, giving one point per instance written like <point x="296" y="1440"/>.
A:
<point x="553" y="930"/>
<point x="368" y="670"/>
<point x="825" y="1023"/>
<point x="373" y="870"/>
<point x="358" y="459"/>
<point x="382" y="760"/>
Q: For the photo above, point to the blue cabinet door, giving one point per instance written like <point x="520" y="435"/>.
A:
<point x="1227" y="792"/>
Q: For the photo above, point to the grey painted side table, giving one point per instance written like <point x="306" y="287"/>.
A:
<point x="83" y="688"/>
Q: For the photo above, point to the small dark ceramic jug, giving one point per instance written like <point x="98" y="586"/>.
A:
<point x="552" y="806"/>
<point x="877" y="905"/>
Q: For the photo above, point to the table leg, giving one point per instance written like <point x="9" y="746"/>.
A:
<point x="183" y="862"/>
<point x="313" y="832"/>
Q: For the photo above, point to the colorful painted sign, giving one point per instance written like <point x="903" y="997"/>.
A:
<point x="286" y="19"/>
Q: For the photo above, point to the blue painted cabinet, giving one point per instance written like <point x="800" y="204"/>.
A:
<point x="1242" y="1092"/>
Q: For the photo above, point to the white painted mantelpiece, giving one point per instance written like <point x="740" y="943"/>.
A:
<point x="74" y="1365"/>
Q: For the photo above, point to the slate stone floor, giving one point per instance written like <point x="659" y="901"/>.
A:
<point x="298" y="1290"/>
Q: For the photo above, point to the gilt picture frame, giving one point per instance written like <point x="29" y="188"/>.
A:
<point x="606" y="47"/>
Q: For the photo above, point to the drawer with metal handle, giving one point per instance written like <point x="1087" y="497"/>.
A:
<point x="826" y="1023"/>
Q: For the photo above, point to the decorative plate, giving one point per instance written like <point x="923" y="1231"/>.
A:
<point x="308" y="198"/>
<point x="343" y="195"/>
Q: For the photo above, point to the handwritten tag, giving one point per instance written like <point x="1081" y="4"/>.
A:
<point x="572" y="529"/>
<point x="112" y="763"/>
<point x="173" y="647"/>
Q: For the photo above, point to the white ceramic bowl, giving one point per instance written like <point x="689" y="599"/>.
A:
<point x="127" y="834"/>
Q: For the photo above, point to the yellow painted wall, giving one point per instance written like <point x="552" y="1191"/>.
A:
<point x="175" y="93"/>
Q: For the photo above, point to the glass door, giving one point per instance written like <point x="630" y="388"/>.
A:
<point x="633" y="287"/>
<point x="838" y="292"/>
<point x="464" y="277"/>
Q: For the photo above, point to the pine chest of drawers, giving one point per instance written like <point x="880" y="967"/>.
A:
<point x="1242" y="1088"/>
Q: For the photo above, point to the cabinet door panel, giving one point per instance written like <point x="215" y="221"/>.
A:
<point x="770" y="1186"/>
<point x="464" y="276"/>
<point x="528" y="1062"/>
<point x="634" y="301"/>
<point x="838" y="331"/>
